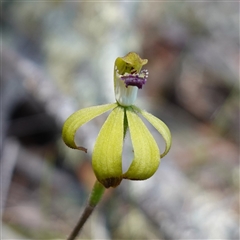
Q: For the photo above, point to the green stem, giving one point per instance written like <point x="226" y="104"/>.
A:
<point x="95" y="197"/>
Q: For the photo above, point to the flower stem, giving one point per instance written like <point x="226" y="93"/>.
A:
<point x="95" y="197"/>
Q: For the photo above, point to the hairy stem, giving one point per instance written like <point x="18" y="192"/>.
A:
<point x="95" y="197"/>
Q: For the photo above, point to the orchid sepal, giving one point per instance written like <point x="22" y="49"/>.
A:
<point x="77" y="119"/>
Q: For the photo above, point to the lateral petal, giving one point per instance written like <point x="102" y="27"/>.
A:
<point x="161" y="127"/>
<point x="77" y="119"/>
<point x="146" y="153"/>
<point x="107" y="152"/>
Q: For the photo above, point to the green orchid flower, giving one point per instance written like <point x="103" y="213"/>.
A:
<point x="107" y="152"/>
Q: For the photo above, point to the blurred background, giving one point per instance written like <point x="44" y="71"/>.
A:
<point x="58" y="57"/>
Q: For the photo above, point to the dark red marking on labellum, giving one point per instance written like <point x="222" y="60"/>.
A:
<point x="135" y="79"/>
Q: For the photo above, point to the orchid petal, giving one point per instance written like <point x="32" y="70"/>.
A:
<point x="77" y="119"/>
<point x="146" y="153"/>
<point x="107" y="152"/>
<point x="160" y="126"/>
